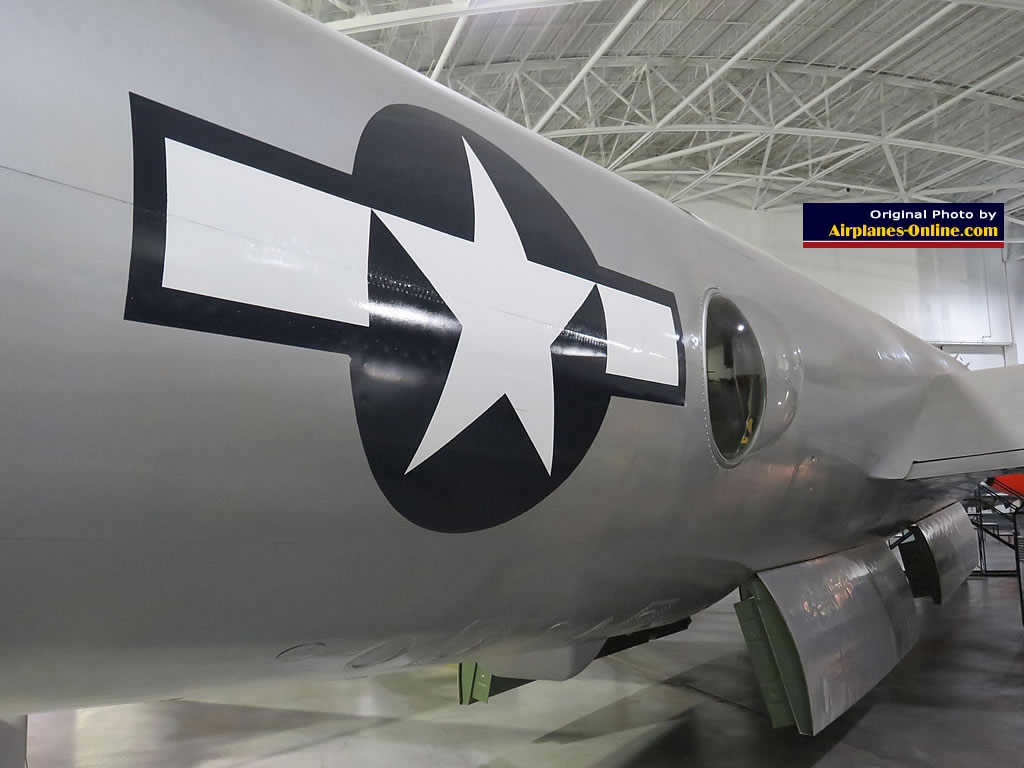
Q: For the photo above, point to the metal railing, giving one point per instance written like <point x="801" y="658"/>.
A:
<point x="997" y="513"/>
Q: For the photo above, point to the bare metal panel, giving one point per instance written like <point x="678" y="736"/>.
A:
<point x="968" y="424"/>
<point x="548" y="663"/>
<point x="177" y="504"/>
<point x="953" y="545"/>
<point x="852" y="618"/>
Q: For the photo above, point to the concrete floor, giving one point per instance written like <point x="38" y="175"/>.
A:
<point x="688" y="700"/>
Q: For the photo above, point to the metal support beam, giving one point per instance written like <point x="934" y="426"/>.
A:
<point x="895" y="172"/>
<point x="955" y="171"/>
<point x="452" y="10"/>
<point x="1013" y="5"/>
<point x="827" y="91"/>
<point x="750" y="45"/>
<point x="607" y="43"/>
<point x="342" y="6"/>
<point x="1016" y="66"/>
<point x="1006" y="71"/>
<point x="747" y="131"/>
<point x="449" y="46"/>
<point x="891" y="48"/>
<point x="674" y="63"/>
<point x="751" y="179"/>
<point x="550" y="95"/>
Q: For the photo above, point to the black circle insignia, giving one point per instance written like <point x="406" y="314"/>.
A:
<point x="491" y="472"/>
<point x="411" y="163"/>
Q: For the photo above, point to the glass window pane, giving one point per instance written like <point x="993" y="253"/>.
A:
<point x="736" y="381"/>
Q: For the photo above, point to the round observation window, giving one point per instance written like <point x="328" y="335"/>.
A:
<point x="736" y="381"/>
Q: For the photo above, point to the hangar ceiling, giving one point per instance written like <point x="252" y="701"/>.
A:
<point x="761" y="103"/>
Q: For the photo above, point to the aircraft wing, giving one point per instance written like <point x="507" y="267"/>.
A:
<point x="972" y="422"/>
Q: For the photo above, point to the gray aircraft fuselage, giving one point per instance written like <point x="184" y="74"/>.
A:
<point x="194" y="485"/>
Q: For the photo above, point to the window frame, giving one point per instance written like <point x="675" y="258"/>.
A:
<point x="716" y="451"/>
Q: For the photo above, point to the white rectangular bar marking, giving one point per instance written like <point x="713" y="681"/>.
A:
<point x="238" y="233"/>
<point x="642" y="339"/>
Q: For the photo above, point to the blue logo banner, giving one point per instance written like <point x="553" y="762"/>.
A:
<point x="903" y="225"/>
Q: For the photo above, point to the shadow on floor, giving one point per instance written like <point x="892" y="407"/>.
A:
<point x="956" y="700"/>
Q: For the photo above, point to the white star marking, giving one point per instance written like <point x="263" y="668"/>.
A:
<point x="511" y="311"/>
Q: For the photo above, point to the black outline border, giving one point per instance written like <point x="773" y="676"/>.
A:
<point x="148" y="301"/>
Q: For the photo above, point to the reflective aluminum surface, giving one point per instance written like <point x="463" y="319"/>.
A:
<point x="852" y="618"/>
<point x="953" y="542"/>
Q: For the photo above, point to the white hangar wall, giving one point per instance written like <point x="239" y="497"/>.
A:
<point x="1015" y="287"/>
<point x="956" y="298"/>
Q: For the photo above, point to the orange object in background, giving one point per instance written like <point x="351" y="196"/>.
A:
<point x="1012" y="483"/>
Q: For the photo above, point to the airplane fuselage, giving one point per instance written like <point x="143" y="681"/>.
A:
<point x="192" y="499"/>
